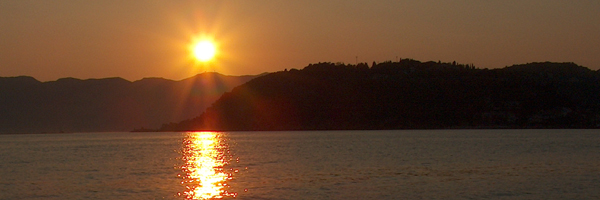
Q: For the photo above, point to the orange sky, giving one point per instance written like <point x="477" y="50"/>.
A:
<point x="135" y="39"/>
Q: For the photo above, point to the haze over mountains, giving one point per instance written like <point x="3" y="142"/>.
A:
<point x="110" y="104"/>
<point x="406" y="95"/>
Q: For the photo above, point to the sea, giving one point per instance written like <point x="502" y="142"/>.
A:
<point x="393" y="164"/>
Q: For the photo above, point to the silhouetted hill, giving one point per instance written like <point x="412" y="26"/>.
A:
<point x="408" y="94"/>
<point x="110" y="104"/>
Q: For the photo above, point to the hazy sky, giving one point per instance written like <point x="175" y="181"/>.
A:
<point x="135" y="39"/>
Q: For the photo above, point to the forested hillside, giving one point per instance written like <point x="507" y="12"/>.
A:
<point x="408" y="95"/>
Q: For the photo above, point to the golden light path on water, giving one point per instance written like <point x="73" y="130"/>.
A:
<point x="205" y="156"/>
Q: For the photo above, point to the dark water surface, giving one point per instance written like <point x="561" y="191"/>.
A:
<point x="423" y="164"/>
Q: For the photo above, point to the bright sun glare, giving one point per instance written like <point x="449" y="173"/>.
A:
<point x="204" y="50"/>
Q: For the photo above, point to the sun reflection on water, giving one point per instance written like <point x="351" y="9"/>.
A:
<point x="205" y="156"/>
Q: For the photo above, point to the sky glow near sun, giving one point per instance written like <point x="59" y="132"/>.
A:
<point x="153" y="38"/>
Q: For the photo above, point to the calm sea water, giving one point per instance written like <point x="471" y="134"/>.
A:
<point x="424" y="164"/>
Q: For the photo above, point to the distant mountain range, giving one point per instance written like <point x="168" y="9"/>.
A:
<point x="111" y="104"/>
<point x="408" y="95"/>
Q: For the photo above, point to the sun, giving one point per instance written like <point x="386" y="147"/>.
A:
<point x="204" y="50"/>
